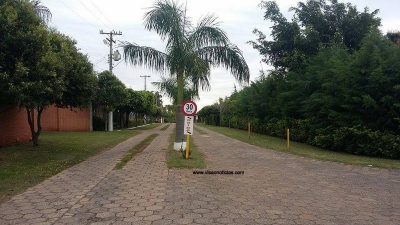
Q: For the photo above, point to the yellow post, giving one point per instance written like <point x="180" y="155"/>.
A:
<point x="248" y="128"/>
<point x="288" y="138"/>
<point x="187" y="146"/>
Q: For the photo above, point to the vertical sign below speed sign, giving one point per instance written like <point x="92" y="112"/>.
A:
<point x="189" y="109"/>
<point x="188" y="126"/>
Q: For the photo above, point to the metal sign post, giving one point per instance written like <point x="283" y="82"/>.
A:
<point x="189" y="109"/>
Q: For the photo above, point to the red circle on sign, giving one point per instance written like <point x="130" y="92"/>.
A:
<point x="189" y="108"/>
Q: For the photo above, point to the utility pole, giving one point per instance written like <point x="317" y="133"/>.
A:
<point x="110" y="58"/>
<point x="145" y="77"/>
<point x="110" y="41"/>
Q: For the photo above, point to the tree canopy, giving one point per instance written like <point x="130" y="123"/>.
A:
<point x="314" y="26"/>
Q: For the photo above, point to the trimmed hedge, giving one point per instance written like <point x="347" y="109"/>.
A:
<point x="355" y="140"/>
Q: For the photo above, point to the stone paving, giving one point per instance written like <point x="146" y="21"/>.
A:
<point x="276" y="188"/>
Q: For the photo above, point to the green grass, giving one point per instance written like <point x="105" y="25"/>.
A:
<point x="165" y="127"/>
<point x="23" y="165"/>
<point x="135" y="150"/>
<point x="148" y="127"/>
<point x="200" y="131"/>
<point x="176" y="160"/>
<point x="296" y="148"/>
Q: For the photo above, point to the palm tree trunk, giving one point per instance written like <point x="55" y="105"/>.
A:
<point x="180" y="141"/>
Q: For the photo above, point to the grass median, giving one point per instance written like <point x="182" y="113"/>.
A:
<point x="165" y="127"/>
<point x="279" y="144"/>
<point x="23" y="166"/>
<point x="146" y="127"/>
<point x="176" y="160"/>
<point x="135" y="150"/>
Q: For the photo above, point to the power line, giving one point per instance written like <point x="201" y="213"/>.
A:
<point x="94" y="14"/>
<point x="90" y="50"/>
<point x="79" y="15"/>
<point x="99" y="61"/>
<point x="102" y="13"/>
<point x="99" y="67"/>
<point x="105" y="17"/>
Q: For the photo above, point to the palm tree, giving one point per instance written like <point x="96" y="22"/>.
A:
<point x="169" y="86"/>
<point x="190" y="51"/>
<point x="41" y="11"/>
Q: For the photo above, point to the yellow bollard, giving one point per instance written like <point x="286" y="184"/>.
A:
<point x="248" y="128"/>
<point x="187" y="146"/>
<point x="288" y="138"/>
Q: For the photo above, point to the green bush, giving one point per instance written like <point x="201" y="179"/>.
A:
<point x="355" y="140"/>
<point x="358" y="140"/>
<point x="134" y="123"/>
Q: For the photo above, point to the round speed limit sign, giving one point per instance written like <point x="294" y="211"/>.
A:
<point x="189" y="108"/>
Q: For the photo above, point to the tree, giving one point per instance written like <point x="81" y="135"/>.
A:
<point x="40" y="67"/>
<point x="29" y="64"/>
<point x="394" y="36"/>
<point x="315" y="25"/>
<point x="111" y="92"/>
<point x="169" y="87"/>
<point x="190" y="51"/>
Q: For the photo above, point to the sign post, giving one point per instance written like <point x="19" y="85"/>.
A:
<point x="189" y="109"/>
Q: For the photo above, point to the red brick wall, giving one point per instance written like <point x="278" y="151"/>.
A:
<point x="14" y="126"/>
<point x="61" y="119"/>
<point x="49" y="118"/>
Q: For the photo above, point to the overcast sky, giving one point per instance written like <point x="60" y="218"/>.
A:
<point x="82" y="20"/>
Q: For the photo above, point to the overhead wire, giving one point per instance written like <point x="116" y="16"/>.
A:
<point x="106" y="18"/>
<point x="90" y="50"/>
<point x="94" y="14"/>
<point x="79" y="15"/>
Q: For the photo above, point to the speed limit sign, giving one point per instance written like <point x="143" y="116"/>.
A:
<point x="189" y="108"/>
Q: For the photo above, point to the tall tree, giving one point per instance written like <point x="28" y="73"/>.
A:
<point x="315" y="25"/>
<point x="169" y="86"/>
<point x="111" y="93"/>
<point x="190" y="51"/>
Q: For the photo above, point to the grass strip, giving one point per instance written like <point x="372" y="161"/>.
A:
<point x="196" y="128"/>
<point x="176" y="160"/>
<point x="165" y="127"/>
<point x="135" y="150"/>
<point x="147" y="127"/>
<point x="279" y="144"/>
<point x="23" y="166"/>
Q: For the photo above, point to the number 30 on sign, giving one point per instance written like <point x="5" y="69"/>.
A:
<point x="189" y="108"/>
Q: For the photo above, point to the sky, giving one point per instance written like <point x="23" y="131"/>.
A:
<point x="83" y="19"/>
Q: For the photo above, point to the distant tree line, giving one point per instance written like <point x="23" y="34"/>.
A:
<point x="335" y="82"/>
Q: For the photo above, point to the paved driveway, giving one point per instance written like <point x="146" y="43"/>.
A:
<point x="276" y="188"/>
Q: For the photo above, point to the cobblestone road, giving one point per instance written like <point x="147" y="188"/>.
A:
<point x="276" y="188"/>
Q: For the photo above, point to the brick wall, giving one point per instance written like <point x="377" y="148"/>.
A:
<point x="49" y="119"/>
<point x="14" y="126"/>
<point x="61" y="119"/>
